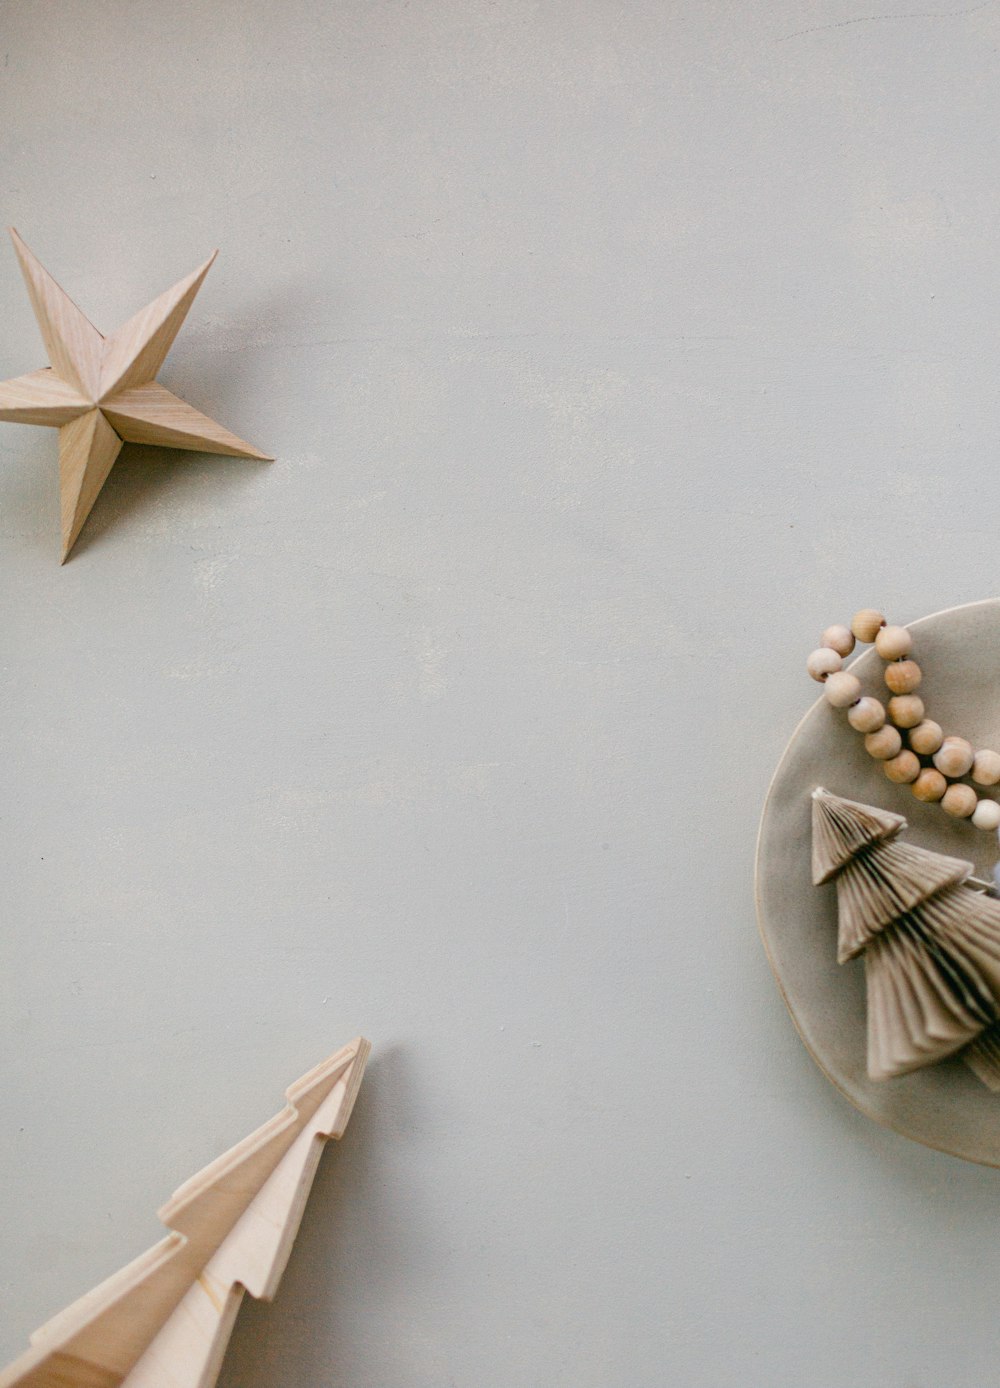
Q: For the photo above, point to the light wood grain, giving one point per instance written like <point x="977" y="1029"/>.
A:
<point x="135" y="353"/>
<point x="75" y="348"/>
<point x="88" y="448"/>
<point x="112" y="379"/>
<point x="152" y="414"/>
<point x="41" y="397"/>
<point x="164" y="1320"/>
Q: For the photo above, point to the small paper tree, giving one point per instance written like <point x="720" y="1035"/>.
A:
<point x="931" y="942"/>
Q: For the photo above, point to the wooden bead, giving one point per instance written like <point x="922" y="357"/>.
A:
<point x="926" y="737"/>
<point x="867" y="715"/>
<point x="892" y="643"/>
<point x="954" y="757"/>
<point x="902" y="768"/>
<point x="884" y="743"/>
<point x="986" y="815"/>
<point x="843" y="689"/>
<point x="959" y="801"/>
<point x="903" y="676"/>
<point x="823" y="662"/>
<point x="867" y="624"/>
<point x="838" y="639"/>
<point x="906" y="710"/>
<point x="929" y="786"/>
<point x="986" y="768"/>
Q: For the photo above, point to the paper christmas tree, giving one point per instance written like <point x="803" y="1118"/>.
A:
<point x="164" y="1321"/>
<point x="930" y="940"/>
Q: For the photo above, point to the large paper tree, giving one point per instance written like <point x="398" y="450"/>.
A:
<point x="931" y="941"/>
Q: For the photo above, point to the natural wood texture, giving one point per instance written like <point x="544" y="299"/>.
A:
<point x="151" y="414"/>
<point x="986" y="815"/>
<point x="926" y="737"/>
<point x="73" y="344"/>
<point x="135" y="353"/>
<point x="87" y="450"/>
<point x="866" y="624"/>
<point x="96" y="386"/>
<point x="838" y="638"/>
<point x="952" y="756"/>
<point x="884" y="742"/>
<point x="164" y="1320"/>
<point x="842" y="689"/>
<point x="943" y="1105"/>
<point x="41" y="397"/>
<point x="867" y="715"/>
<point x="907" y="711"/>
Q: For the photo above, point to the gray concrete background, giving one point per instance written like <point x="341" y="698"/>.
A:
<point x="609" y="352"/>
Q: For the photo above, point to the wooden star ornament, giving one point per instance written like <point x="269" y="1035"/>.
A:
<point x="100" y="392"/>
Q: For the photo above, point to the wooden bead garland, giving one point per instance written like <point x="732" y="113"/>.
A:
<point x="930" y="785"/>
<point x="906" y="710"/>
<point x="884" y="744"/>
<point x="930" y="763"/>
<point x="926" y="737"/>
<point x="960" y="801"/>
<point x="867" y="715"/>
<point x="954" y="757"/>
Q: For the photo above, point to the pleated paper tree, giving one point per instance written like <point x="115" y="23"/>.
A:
<point x="164" y="1321"/>
<point x="931" y="941"/>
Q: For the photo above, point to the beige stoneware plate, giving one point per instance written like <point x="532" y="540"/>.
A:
<point x="944" y="1105"/>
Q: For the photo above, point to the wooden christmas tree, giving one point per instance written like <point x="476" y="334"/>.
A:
<point x="930" y="939"/>
<point x="164" y="1321"/>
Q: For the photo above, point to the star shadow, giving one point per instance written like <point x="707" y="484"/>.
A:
<point x="144" y="479"/>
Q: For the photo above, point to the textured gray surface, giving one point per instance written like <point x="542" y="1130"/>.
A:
<point x="609" y="353"/>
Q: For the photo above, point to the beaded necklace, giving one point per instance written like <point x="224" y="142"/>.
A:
<point x="931" y="764"/>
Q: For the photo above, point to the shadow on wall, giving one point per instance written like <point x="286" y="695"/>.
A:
<point x="356" y="1243"/>
<point x="143" y="478"/>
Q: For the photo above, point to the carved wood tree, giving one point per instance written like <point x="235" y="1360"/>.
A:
<point x="165" y="1319"/>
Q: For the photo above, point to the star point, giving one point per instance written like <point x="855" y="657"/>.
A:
<point x="101" y="392"/>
